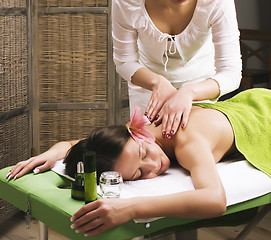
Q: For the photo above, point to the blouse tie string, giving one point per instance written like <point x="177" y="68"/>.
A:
<point x="172" y="47"/>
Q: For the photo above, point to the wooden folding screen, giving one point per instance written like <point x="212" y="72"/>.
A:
<point x="57" y="76"/>
<point x="15" y="121"/>
<point x="74" y="89"/>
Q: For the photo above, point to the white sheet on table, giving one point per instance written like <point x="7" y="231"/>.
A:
<point x="240" y="179"/>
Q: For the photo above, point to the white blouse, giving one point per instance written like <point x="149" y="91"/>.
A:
<point x="207" y="48"/>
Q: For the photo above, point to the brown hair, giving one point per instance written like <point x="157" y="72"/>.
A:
<point x="107" y="143"/>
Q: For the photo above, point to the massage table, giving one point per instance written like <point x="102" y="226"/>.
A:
<point x="45" y="197"/>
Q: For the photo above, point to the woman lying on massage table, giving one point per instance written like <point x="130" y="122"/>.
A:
<point x="143" y="153"/>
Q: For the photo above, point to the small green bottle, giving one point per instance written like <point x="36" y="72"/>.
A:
<point x="77" y="188"/>
<point x="90" y="181"/>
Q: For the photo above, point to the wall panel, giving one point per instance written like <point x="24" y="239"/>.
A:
<point x="15" y="119"/>
<point x="74" y="67"/>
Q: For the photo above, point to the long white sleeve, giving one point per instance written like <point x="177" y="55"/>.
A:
<point x="125" y="50"/>
<point x="208" y="47"/>
<point x="228" y="62"/>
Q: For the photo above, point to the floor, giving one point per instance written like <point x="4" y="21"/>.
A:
<point x="15" y="229"/>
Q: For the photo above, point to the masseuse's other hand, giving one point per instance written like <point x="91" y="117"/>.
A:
<point x="38" y="164"/>
<point x="100" y="215"/>
<point x="175" y="112"/>
<point x="161" y="92"/>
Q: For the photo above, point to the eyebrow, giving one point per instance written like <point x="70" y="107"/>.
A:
<point x="139" y="154"/>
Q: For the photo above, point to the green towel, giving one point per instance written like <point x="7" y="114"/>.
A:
<point x="249" y="113"/>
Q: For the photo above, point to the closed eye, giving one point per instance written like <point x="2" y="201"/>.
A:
<point x="138" y="175"/>
<point x="145" y="153"/>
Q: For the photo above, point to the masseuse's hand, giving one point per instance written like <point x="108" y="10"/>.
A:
<point x="161" y="92"/>
<point x="39" y="163"/>
<point x="175" y="112"/>
<point x="100" y="215"/>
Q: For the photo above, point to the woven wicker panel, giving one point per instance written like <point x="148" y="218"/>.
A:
<point x="14" y="147"/>
<point x="14" y="140"/>
<point x="125" y="115"/>
<point x="68" y="125"/>
<point x="73" y="3"/>
<point x="13" y="63"/>
<point x="125" y="112"/>
<point x="12" y="3"/>
<point x="73" y="58"/>
<point x="7" y="210"/>
<point x="124" y="90"/>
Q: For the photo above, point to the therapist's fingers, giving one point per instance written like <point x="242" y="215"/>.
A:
<point x="168" y="125"/>
<point x="159" y="117"/>
<point x="176" y="124"/>
<point x="148" y="106"/>
<point x="157" y="114"/>
<point x="152" y="109"/>
<point x="165" y="118"/>
<point x="185" y="118"/>
<point x="156" y="102"/>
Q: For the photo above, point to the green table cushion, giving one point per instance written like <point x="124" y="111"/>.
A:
<point x="50" y="202"/>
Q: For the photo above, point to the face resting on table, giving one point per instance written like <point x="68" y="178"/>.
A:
<point x="141" y="162"/>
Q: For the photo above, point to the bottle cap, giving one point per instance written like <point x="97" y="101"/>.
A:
<point x="80" y="167"/>
<point x="89" y="162"/>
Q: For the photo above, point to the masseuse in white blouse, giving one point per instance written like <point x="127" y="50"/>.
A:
<point x="175" y="52"/>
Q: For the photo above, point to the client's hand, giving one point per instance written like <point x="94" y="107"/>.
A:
<point x="42" y="162"/>
<point x="100" y="215"/>
<point x="39" y="163"/>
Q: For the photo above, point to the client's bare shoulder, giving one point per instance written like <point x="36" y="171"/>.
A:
<point x="209" y="127"/>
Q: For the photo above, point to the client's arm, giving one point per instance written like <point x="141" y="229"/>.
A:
<point x="43" y="161"/>
<point x="207" y="200"/>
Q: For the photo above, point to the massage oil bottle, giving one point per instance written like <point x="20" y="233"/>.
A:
<point x="77" y="188"/>
<point x="90" y="181"/>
